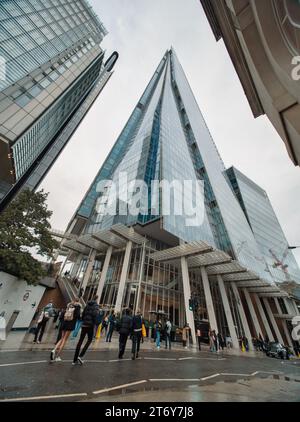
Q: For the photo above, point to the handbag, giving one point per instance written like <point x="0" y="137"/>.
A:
<point x="144" y="333"/>
<point x="98" y="334"/>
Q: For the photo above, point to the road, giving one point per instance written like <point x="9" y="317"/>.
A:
<point x="155" y="376"/>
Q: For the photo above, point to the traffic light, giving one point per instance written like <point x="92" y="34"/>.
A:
<point x="191" y="308"/>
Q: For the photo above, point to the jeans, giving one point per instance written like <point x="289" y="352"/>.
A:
<point x="89" y="331"/>
<point x="122" y="344"/>
<point x="168" y="341"/>
<point x="109" y="334"/>
<point x="136" y="340"/>
<point x="157" y="338"/>
<point x="40" y="329"/>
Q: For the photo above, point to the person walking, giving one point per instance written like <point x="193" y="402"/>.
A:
<point x="60" y="324"/>
<point x="125" y="328"/>
<point x="89" y="320"/>
<point x="71" y="315"/>
<point x="185" y="335"/>
<point x="44" y="317"/>
<point x="136" y="334"/>
<point x="221" y="341"/>
<point x="168" y="329"/>
<point x="198" y="333"/>
<point x="111" y="326"/>
<point x="212" y="343"/>
<point x="158" y="328"/>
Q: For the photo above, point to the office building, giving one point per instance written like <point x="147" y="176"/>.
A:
<point x="53" y="69"/>
<point x="262" y="39"/>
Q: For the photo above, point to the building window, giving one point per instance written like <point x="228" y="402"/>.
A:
<point x="288" y="16"/>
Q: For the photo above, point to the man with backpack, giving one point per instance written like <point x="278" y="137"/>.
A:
<point x="125" y="326"/>
<point x="71" y="315"/>
<point x="89" y="320"/>
<point x="44" y="317"/>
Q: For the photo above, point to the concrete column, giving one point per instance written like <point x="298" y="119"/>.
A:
<point x="257" y="327"/>
<point x="263" y="317"/>
<point x="228" y="313"/>
<point x="284" y="324"/>
<point x="76" y="266"/>
<point x="187" y="295"/>
<point x="242" y="315"/>
<point x="104" y="272"/>
<point x="209" y="301"/>
<point x="123" y="277"/>
<point x="141" y="271"/>
<point x="272" y="319"/>
<point x="89" y="269"/>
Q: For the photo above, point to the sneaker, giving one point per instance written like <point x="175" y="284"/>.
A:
<point x="74" y="363"/>
<point x="38" y="342"/>
<point x="58" y="359"/>
<point x="34" y="342"/>
<point x="52" y="355"/>
<point x="137" y="355"/>
<point x="133" y="357"/>
<point x="80" y="361"/>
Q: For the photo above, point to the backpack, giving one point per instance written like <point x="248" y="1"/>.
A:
<point x="69" y="314"/>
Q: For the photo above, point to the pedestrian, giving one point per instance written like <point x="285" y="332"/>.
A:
<point x="100" y="317"/>
<point x="185" y="335"/>
<point x="168" y="329"/>
<point x="216" y="341"/>
<point x="125" y="328"/>
<point x="212" y="343"/>
<point x="71" y="315"/>
<point x="111" y="326"/>
<point x="60" y="324"/>
<point x="136" y="334"/>
<point x="42" y="321"/>
<point x="221" y="341"/>
<point x="158" y="328"/>
<point x="105" y="325"/>
<point x="198" y="333"/>
<point x="89" y="320"/>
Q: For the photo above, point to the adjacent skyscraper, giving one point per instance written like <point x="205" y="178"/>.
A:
<point x="52" y="70"/>
<point x="254" y="201"/>
<point x="148" y="235"/>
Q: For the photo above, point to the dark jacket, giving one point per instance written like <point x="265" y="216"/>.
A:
<point x="90" y="314"/>
<point x="137" y="322"/>
<point x="125" y="325"/>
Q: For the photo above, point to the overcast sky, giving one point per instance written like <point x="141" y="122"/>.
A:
<point x="141" y="31"/>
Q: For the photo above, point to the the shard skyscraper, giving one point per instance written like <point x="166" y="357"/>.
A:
<point x="192" y="269"/>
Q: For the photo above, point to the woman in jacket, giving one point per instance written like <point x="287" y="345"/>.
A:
<point x="71" y="315"/>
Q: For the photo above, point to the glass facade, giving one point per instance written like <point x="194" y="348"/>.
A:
<point x="53" y="62"/>
<point x="166" y="138"/>
<point x="254" y="201"/>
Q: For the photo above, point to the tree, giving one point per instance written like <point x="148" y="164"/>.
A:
<point x="24" y="225"/>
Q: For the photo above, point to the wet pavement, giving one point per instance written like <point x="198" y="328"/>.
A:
<point x="155" y="376"/>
